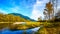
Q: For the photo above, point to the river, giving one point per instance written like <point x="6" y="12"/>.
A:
<point x="29" y="31"/>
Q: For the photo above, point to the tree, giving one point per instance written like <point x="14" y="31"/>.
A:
<point x="57" y="15"/>
<point x="49" y="9"/>
<point x="39" y="19"/>
<point x="45" y="14"/>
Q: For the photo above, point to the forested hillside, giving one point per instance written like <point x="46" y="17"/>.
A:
<point x="11" y="18"/>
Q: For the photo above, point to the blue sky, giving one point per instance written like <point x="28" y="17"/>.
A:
<point x="30" y="8"/>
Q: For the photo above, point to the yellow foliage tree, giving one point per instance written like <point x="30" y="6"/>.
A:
<point x="49" y="8"/>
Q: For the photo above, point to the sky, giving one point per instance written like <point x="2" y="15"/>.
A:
<point x="30" y="8"/>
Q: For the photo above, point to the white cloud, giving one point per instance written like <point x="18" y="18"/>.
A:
<point x="58" y="7"/>
<point x="15" y="9"/>
<point x="3" y="11"/>
<point x="36" y="12"/>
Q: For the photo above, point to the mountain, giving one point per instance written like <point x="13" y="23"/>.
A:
<point x="25" y="17"/>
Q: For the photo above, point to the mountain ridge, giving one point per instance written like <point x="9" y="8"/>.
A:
<point x="25" y="17"/>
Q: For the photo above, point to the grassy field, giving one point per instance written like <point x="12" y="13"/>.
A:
<point x="27" y="25"/>
<point x="52" y="28"/>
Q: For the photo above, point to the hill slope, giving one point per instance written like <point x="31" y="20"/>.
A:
<point x="22" y="16"/>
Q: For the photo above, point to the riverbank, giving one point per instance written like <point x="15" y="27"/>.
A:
<point x="53" y="28"/>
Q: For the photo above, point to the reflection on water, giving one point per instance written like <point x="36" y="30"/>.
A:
<point x="30" y="31"/>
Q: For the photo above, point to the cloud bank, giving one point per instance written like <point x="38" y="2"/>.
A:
<point x="38" y="9"/>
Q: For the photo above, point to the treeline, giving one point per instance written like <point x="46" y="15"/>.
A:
<point x="11" y="18"/>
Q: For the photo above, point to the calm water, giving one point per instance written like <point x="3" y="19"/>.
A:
<point x="30" y="31"/>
